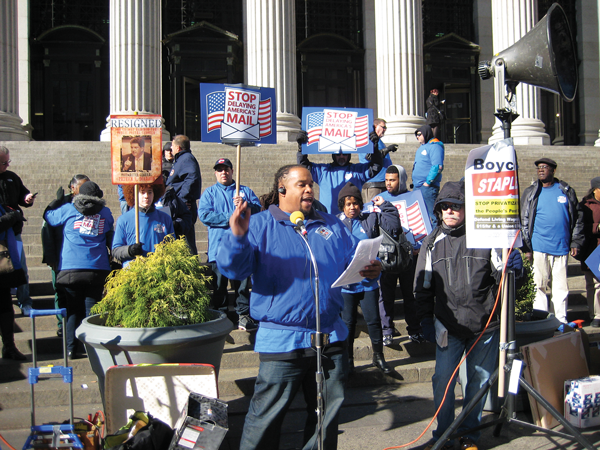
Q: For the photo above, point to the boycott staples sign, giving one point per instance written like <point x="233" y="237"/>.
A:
<point x="492" y="196"/>
<point x="235" y="114"/>
<point x="335" y="130"/>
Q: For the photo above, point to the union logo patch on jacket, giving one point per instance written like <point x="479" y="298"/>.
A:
<point x="90" y="225"/>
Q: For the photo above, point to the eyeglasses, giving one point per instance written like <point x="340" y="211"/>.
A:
<point x="543" y="167"/>
<point x="383" y="126"/>
<point x="452" y="206"/>
<point x="418" y="134"/>
<point x="6" y="163"/>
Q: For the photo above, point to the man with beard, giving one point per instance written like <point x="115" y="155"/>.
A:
<point x="268" y="247"/>
<point x="332" y="177"/>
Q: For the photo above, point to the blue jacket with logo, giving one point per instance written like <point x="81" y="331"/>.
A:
<point x="86" y="237"/>
<point x="366" y="226"/>
<point x="282" y="298"/>
<point x="154" y="226"/>
<point x="216" y="207"/>
<point x="428" y="159"/>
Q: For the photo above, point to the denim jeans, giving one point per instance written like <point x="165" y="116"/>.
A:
<point x="80" y="299"/>
<point x="430" y="193"/>
<point x="275" y="388"/>
<point x="23" y="297"/>
<point x="369" y="303"/>
<point x="219" y="297"/>
<point x="387" y="299"/>
<point x="481" y="363"/>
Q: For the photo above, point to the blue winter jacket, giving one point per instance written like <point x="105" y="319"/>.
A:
<point x="366" y="226"/>
<point x="282" y="298"/>
<point x="426" y="168"/>
<point x="154" y="226"/>
<point x="216" y="207"/>
<point x="185" y="177"/>
<point x="86" y="237"/>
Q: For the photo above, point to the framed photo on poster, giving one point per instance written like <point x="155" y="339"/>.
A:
<point x="136" y="148"/>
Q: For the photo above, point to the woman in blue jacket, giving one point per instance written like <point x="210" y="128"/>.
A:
<point x="365" y="226"/>
<point x="84" y="264"/>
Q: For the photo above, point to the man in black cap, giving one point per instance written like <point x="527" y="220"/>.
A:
<point x="216" y="206"/>
<point x="551" y="227"/>
<point x="458" y="286"/>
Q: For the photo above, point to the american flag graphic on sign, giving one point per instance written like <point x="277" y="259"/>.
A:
<point x="216" y="108"/>
<point x="264" y="117"/>
<point x="361" y="129"/>
<point x="315" y="126"/>
<point x="415" y="221"/>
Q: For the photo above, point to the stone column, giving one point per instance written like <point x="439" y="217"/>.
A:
<point x="135" y="59"/>
<point x="271" y="58"/>
<point x="10" y="122"/>
<point x="511" y="20"/>
<point x="399" y="48"/>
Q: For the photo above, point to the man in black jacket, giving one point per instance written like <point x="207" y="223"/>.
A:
<point x="13" y="196"/>
<point x="552" y="227"/>
<point x="458" y="285"/>
<point x="186" y="181"/>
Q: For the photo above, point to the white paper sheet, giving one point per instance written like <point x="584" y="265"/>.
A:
<point x="366" y="251"/>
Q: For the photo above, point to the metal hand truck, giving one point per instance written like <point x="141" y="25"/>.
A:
<point x="51" y="436"/>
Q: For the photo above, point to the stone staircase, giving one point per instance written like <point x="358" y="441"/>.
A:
<point x="44" y="166"/>
<point x="413" y="363"/>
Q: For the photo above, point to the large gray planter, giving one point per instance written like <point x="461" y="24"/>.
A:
<point x="109" y="346"/>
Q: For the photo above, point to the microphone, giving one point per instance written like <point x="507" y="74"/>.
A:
<point x="297" y="218"/>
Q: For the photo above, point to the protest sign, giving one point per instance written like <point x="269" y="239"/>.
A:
<point x="238" y="114"/>
<point x="492" y="196"/>
<point x="413" y="215"/>
<point x="136" y="148"/>
<point x="337" y="130"/>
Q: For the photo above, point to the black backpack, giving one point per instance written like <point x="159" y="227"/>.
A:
<point x="395" y="254"/>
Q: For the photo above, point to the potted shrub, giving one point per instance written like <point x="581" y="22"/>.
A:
<point x="528" y="329"/>
<point x="155" y="311"/>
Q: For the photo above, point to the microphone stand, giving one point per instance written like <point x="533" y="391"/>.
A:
<point x="318" y="339"/>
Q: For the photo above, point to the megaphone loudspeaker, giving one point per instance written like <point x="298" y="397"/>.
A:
<point x="545" y="57"/>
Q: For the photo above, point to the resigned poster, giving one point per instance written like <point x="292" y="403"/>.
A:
<point x="492" y="196"/>
<point x="136" y="148"/>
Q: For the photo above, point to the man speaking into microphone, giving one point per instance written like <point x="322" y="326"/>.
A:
<point x="269" y="247"/>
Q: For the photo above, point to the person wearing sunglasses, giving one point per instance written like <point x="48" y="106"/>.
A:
<point x="552" y="228"/>
<point x="13" y="196"/>
<point x="427" y="168"/>
<point x="458" y="286"/>
<point x="376" y="185"/>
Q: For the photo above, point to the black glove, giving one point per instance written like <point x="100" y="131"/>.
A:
<point x="135" y="250"/>
<point x="11" y="218"/>
<point x="169" y="195"/>
<point x="428" y="329"/>
<point x="515" y="262"/>
<point x="302" y="138"/>
<point x="374" y="138"/>
<point x="391" y="148"/>
<point x="60" y="194"/>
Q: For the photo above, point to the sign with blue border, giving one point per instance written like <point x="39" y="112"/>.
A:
<point x="237" y="114"/>
<point x="337" y="130"/>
